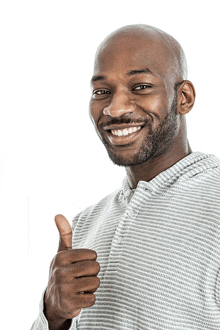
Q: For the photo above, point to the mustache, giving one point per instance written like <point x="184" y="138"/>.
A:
<point x="116" y="121"/>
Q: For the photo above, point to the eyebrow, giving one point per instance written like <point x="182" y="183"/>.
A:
<point x="129" y="74"/>
<point x="141" y="71"/>
<point x="97" y="78"/>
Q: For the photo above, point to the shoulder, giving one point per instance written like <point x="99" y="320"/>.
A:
<point x="203" y="174"/>
<point x="95" y="210"/>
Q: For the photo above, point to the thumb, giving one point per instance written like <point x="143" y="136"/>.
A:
<point x="65" y="233"/>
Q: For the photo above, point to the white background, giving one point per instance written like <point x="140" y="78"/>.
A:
<point x="51" y="160"/>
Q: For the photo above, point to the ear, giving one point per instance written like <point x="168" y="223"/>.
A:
<point x="186" y="97"/>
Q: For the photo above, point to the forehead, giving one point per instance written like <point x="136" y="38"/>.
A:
<point x="120" y="55"/>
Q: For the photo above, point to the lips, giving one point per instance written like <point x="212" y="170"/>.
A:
<point x="123" y="139"/>
<point x="121" y="127"/>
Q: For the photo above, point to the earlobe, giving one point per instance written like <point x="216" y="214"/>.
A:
<point x="187" y="94"/>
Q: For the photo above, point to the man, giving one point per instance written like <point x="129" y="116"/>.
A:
<point x="154" y="243"/>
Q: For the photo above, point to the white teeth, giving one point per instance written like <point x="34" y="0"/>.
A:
<point x="125" y="131"/>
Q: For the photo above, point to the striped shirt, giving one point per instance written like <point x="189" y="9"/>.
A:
<point x="159" y="250"/>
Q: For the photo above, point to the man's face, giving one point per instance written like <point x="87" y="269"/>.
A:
<point x="133" y="104"/>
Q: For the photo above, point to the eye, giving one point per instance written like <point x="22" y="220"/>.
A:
<point x="141" y="87"/>
<point x="100" y="93"/>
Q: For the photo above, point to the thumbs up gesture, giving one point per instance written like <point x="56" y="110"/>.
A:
<point x="72" y="281"/>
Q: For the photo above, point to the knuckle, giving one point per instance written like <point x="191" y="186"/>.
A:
<point x="61" y="256"/>
<point x="53" y="262"/>
<point x="56" y="259"/>
<point x="59" y="274"/>
<point x="58" y="271"/>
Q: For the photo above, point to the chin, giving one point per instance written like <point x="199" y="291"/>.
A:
<point x="133" y="160"/>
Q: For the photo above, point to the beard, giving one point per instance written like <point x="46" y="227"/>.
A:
<point x="155" y="143"/>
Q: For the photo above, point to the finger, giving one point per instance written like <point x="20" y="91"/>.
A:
<point x="85" y="300"/>
<point x="69" y="257"/>
<point x="65" y="231"/>
<point x="71" y="301"/>
<point x="78" y="301"/>
<point x="85" y="268"/>
<point x="68" y="273"/>
<point x="86" y="284"/>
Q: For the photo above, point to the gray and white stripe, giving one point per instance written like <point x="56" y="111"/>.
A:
<point x="159" y="251"/>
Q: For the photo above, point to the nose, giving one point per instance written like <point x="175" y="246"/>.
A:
<point x="119" y="105"/>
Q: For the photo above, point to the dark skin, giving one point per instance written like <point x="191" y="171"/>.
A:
<point x="139" y="81"/>
<point x="72" y="280"/>
<point x="120" y="98"/>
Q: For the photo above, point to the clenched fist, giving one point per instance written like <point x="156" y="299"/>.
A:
<point x="72" y="281"/>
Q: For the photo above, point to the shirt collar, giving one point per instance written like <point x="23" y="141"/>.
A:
<point x="184" y="169"/>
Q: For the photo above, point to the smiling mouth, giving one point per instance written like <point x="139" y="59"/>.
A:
<point x="124" y="137"/>
<point x="125" y="131"/>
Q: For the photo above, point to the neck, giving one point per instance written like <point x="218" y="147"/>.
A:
<point x="155" y="165"/>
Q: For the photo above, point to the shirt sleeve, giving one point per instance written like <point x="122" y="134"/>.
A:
<point x="41" y="321"/>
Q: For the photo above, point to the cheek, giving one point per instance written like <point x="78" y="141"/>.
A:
<point x="157" y="105"/>
<point x="152" y="105"/>
<point x="94" y="113"/>
<point x="157" y="109"/>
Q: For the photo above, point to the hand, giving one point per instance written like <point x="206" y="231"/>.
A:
<point x="72" y="280"/>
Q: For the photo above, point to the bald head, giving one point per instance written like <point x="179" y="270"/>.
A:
<point x="140" y="80"/>
<point x="148" y="42"/>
